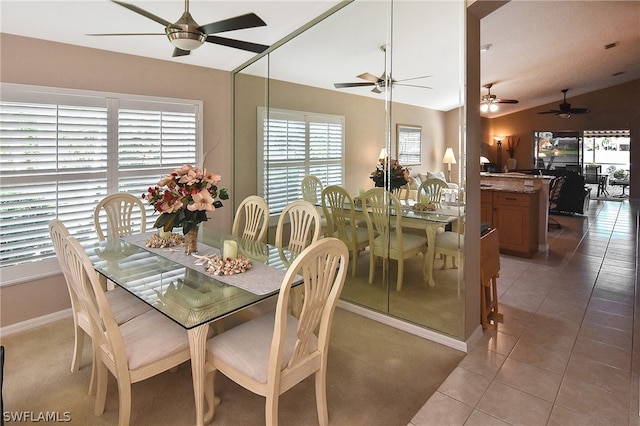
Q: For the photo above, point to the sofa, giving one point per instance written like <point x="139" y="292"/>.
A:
<point x="574" y="195"/>
<point x="418" y="177"/>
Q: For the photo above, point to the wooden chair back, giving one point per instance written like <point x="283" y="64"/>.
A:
<point x="304" y="226"/>
<point x="119" y="214"/>
<point x="253" y="212"/>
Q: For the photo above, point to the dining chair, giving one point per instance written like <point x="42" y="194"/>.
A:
<point x="386" y="239"/>
<point x="402" y="193"/>
<point x="312" y="192"/>
<point x="123" y="305"/>
<point x="311" y="189"/>
<point x="140" y="348"/>
<point x="119" y="214"/>
<point x="430" y="190"/>
<point x="274" y="352"/>
<point x="253" y="213"/>
<point x="304" y="226"/>
<point x="338" y="208"/>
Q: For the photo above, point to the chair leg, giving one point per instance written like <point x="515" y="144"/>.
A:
<point x="209" y="394"/>
<point x="321" y="397"/>
<point x="78" y="345"/>
<point x="271" y="408"/>
<point x="354" y="266"/>
<point x="94" y="373"/>
<point x="372" y="266"/>
<point x="101" y="394"/>
<point x="124" y="396"/>
<point x="400" y="274"/>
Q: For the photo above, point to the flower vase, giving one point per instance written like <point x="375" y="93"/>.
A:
<point x="191" y="241"/>
<point x="511" y="164"/>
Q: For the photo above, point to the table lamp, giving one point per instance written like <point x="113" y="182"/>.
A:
<point x="449" y="159"/>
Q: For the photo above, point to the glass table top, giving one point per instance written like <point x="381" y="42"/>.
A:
<point x="188" y="295"/>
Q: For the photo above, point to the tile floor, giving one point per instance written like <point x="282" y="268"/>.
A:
<point x="565" y="353"/>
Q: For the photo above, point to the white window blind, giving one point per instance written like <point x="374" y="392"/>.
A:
<point x="62" y="151"/>
<point x="293" y="145"/>
<point x="409" y="145"/>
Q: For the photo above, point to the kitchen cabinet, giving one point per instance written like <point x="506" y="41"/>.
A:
<point x="515" y="215"/>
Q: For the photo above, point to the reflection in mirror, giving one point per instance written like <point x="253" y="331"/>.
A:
<point x="423" y="40"/>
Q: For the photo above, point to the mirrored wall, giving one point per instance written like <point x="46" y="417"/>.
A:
<point x="371" y="68"/>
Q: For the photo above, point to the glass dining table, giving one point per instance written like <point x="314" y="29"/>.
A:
<point x="178" y="286"/>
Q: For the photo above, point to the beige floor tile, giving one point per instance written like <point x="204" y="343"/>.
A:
<point x="514" y="406"/>
<point x="609" y="320"/>
<point x="532" y="380"/>
<point x="537" y="355"/>
<point x="465" y="386"/>
<point x="442" y="410"/>
<point x="478" y="418"/>
<point x="608" y="335"/>
<point x="563" y="339"/>
<point x="584" y="398"/>
<point x="512" y="326"/>
<point x="482" y="361"/>
<point x="602" y="353"/>
<point x="497" y="341"/>
<point x="611" y="307"/>
<point x="561" y="416"/>
<point x="618" y="296"/>
<point x="607" y="378"/>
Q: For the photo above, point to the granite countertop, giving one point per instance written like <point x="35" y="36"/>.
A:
<point x="514" y="175"/>
<point x="500" y="188"/>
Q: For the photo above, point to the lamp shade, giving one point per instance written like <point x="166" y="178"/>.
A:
<point x="383" y="153"/>
<point x="484" y="160"/>
<point x="449" y="157"/>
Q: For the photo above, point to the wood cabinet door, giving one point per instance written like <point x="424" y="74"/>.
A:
<point x="513" y="225"/>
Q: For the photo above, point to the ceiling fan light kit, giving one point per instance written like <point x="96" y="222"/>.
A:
<point x="489" y="102"/>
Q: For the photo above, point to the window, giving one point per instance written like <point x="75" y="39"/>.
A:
<point x="64" y="150"/>
<point x="409" y="145"/>
<point x="293" y="145"/>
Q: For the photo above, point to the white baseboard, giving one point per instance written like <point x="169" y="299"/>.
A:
<point x="35" y="322"/>
<point x="412" y="328"/>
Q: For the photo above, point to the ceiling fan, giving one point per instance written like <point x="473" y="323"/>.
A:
<point x="380" y="83"/>
<point x="489" y="102"/>
<point x="186" y="35"/>
<point x="565" y="110"/>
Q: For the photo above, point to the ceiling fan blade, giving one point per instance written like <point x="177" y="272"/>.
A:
<point x="579" y="111"/>
<point x="369" y="77"/>
<point x="412" y="85"/>
<point x="179" y="52"/>
<point x="343" y="85"/>
<point x="414" y="78"/>
<point x="238" y="44"/>
<point x="143" y="12"/>
<point x="553" y="111"/>
<point x="126" y="34"/>
<point x="376" y="90"/>
<point x="250" y="20"/>
<point x="506" y="101"/>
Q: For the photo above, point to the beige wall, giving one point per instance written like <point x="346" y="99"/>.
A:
<point x="616" y="107"/>
<point x="36" y="62"/>
<point x="364" y="128"/>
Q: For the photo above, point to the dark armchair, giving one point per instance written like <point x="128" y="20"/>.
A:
<point x="573" y="196"/>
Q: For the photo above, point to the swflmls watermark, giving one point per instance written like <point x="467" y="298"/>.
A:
<point x="36" y="416"/>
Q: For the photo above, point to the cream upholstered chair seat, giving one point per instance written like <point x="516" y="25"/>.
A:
<point x="274" y="352"/>
<point x="449" y="244"/>
<point x="123" y="305"/>
<point x="119" y="214"/>
<point x="143" y="347"/>
<point x="409" y="242"/>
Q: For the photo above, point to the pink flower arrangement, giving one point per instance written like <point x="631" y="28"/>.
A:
<point x="184" y="197"/>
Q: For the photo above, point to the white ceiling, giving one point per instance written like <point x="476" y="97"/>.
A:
<point x="539" y="47"/>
